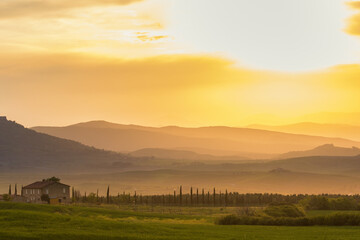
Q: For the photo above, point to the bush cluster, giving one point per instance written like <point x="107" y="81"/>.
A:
<point x="337" y="219"/>
<point x="324" y="203"/>
<point x="284" y="210"/>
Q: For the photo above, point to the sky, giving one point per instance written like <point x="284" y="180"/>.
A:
<point x="179" y="62"/>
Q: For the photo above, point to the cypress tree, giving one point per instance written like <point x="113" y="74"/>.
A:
<point x="135" y="198"/>
<point x="73" y="194"/>
<point x="197" y="196"/>
<point x="226" y="198"/>
<point x="10" y="190"/>
<point x="108" y="195"/>
<point x="15" y="189"/>
<point x="97" y="195"/>
<point x="203" y="196"/>
<point x="214" y="196"/>
<point x="208" y="197"/>
<point x="174" y="197"/>
<point x="180" y="195"/>
<point x="220" y="200"/>
<point x="191" y="196"/>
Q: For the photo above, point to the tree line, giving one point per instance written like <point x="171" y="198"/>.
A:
<point x="216" y="198"/>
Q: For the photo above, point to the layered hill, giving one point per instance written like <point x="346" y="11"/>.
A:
<point x="339" y="165"/>
<point x="324" y="150"/>
<point x="228" y="140"/>
<point x="25" y="149"/>
<point x="160" y="153"/>
<point x="317" y="129"/>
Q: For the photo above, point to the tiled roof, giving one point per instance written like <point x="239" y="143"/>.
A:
<point x="41" y="184"/>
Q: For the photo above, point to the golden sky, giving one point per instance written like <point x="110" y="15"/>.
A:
<point x="181" y="62"/>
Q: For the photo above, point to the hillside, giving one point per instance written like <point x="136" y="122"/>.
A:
<point x="24" y="149"/>
<point x="235" y="141"/>
<point x="340" y="165"/>
<point x="324" y="150"/>
<point x="161" y="153"/>
<point x="317" y="129"/>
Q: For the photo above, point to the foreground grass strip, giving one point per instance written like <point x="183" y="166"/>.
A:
<point x="40" y="222"/>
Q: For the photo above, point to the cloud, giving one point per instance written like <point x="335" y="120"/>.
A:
<point x="164" y="89"/>
<point x="160" y="72"/>
<point x="353" y="26"/>
<point x="147" y="37"/>
<point x="50" y="8"/>
<point x="355" y="5"/>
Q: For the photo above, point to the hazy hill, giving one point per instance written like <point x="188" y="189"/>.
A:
<point x="161" y="153"/>
<point x="165" y="181"/>
<point x="317" y="129"/>
<point x="22" y="149"/>
<point x="344" y="165"/>
<point x="125" y="138"/>
<point x="324" y="150"/>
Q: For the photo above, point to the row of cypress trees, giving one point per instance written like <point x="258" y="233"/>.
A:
<point x="195" y="197"/>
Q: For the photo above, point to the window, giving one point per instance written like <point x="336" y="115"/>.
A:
<point x="25" y="191"/>
<point x="47" y="191"/>
<point x="38" y="191"/>
<point x="64" y="190"/>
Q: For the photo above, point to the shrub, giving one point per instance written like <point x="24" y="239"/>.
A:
<point x="45" y="198"/>
<point x="6" y="197"/>
<point x="284" y="210"/>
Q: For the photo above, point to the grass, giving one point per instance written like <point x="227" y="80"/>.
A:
<point x="29" y="221"/>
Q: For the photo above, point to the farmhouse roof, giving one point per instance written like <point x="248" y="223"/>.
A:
<point x="42" y="184"/>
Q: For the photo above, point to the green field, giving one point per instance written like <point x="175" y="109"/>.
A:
<point x="29" y="221"/>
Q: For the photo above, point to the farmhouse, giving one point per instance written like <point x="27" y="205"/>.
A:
<point x="47" y="190"/>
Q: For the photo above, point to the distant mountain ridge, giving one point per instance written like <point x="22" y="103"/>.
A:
<point x="22" y="148"/>
<point x="324" y="150"/>
<point x="128" y="138"/>
<point x="181" y="155"/>
<point x="317" y="129"/>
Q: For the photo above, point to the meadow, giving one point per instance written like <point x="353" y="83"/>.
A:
<point x="30" y="221"/>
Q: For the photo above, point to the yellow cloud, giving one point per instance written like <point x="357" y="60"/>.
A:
<point x="48" y="8"/>
<point x="168" y="89"/>
<point x="146" y="37"/>
<point x="353" y="26"/>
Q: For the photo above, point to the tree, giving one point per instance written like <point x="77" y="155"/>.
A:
<point x="108" y="195"/>
<point x="191" y="196"/>
<point x="53" y="179"/>
<point x="226" y="198"/>
<point x="15" y="189"/>
<point x="214" y="197"/>
<point x="203" y="197"/>
<point x="197" y="196"/>
<point x="10" y="190"/>
<point x="73" y="194"/>
<point x="180" y="195"/>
